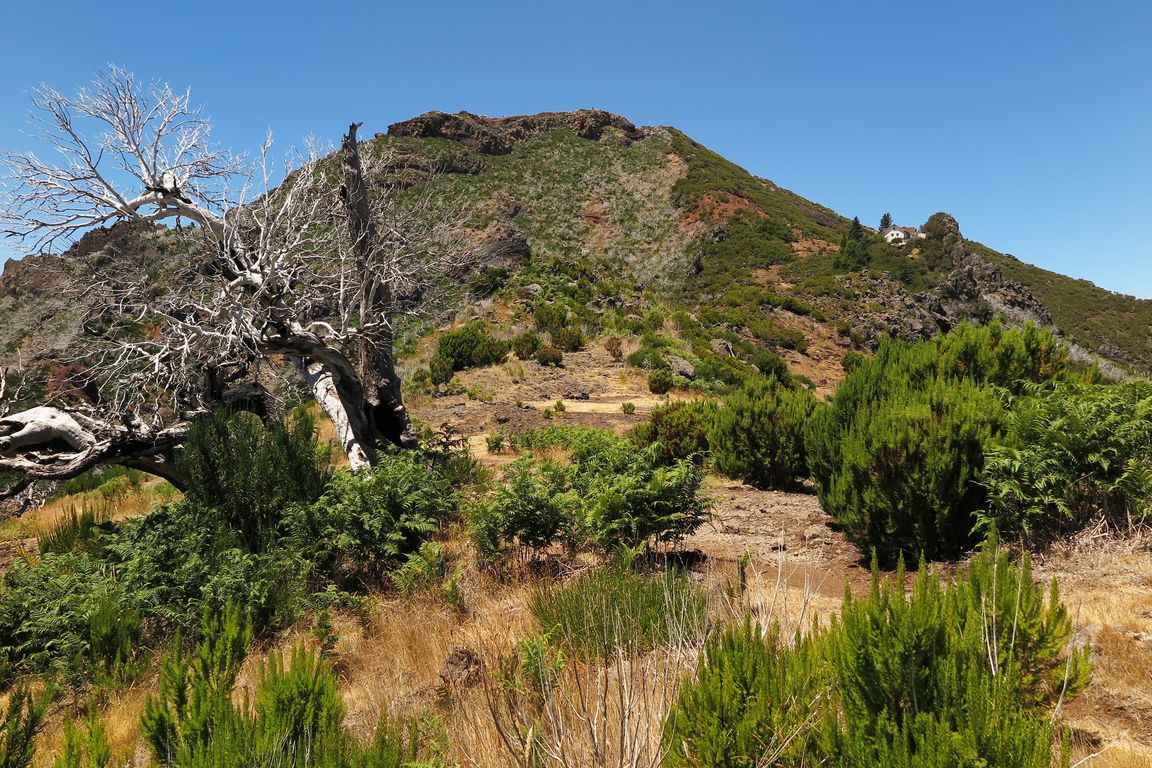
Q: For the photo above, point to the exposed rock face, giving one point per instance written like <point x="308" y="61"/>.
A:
<point x="498" y="135"/>
<point x="882" y="306"/>
<point x="974" y="282"/>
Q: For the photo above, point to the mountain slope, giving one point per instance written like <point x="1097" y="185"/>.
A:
<point x="586" y="205"/>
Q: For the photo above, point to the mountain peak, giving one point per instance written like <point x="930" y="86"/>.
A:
<point x="498" y="135"/>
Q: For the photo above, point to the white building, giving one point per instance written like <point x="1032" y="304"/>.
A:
<point x="895" y="234"/>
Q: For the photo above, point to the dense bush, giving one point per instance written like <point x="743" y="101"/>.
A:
<point x="953" y="675"/>
<point x="549" y="317"/>
<point x="607" y="495"/>
<point x="614" y="609"/>
<point x="550" y="357"/>
<point x="758" y="434"/>
<point x="661" y="381"/>
<point x="897" y="455"/>
<point x="754" y="702"/>
<point x="249" y="471"/>
<point x="956" y="675"/>
<point x="1070" y="457"/>
<point x="679" y="428"/>
<point x="906" y="475"/>
<point x="366" y="523"/>
<point x="568" y="339"/>
<point x="471" y="346"/>
<point x="526" y="344"/>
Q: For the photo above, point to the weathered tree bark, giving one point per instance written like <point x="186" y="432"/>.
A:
<point x="52" y="444"/>
<point x="383" y="401"/>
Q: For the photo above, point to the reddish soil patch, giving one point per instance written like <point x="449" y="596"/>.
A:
<point x="718" y="206"/>
<point x="805" y="247"/>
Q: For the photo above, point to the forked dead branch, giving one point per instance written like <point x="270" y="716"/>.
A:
<point x="316" y="270"/>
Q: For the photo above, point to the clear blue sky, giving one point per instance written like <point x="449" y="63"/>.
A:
<point x="1030" y="122"/>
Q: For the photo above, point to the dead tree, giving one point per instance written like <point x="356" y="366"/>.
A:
<point x="315" y="270"/>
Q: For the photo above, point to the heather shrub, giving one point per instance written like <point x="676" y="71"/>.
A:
<point x="471" y="346"/>
<point x="550" y="357"/>
<point x="758" y="434"/>
<point x="524" y="345"/>
<point x="904" y="479"/>
<point x="249" y="472"/>
<point x="661" y="381"/>
<point x="897" y="455"/>
<point x="294" y="718"/>
<point x="956" y="674"/>
<point x="680" y="429"/>
<point x="20" y="723"/>
<point x="568" y="339"/>
<point x="754" y="701"/>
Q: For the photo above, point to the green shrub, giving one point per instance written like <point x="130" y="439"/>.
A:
<point x="614" y="347"/>
<point x="471" y="346"/>
<point x="754" y="701"/>
<point x="679" y="428"/>
<point x="530" y="511"/>
<point x="609" y="495"/>
<point x="955" y="675"/>
<point x="758" y="435"/>
<point x="249" y="472"/>
<point x="496" y="443"/>
<point x="628" y="408"/>
<point x="904" y="479"/>
<point x="648" y="358"/>
<point x="367" y="522"/>
<point x="440" y="370"/>
<point x="192" y="712"/>
<point x="294" y="719"/>
<point x="19" y="726"/>
<point x="661" y="381"/>
<point x="898" y="454"/>
<point x="568" y="339"/>
<point x="613" y="609"/>
<point x="1070" y="457"/>
<point x="550" y="357"/>
<point x="961" y="674"/>
<point x="526" y="344"/>
<point x="550" y="317"/>
<point x="851" y="360"/>
<point x="85" y="747"/>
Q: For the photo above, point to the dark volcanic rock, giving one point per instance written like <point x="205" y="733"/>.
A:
<point x="498" y="135"/>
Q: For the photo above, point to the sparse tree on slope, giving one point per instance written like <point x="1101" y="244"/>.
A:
<point x="316" y="270"/>
<point x="885" y="221"/>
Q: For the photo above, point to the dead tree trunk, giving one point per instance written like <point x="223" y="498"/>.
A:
<point x="383" y="402"/>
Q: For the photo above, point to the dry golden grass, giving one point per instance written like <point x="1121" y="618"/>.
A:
<point x="1106" y="581"/>
<point x="132" y="502"/>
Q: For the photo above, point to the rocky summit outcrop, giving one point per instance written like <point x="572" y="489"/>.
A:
<point x="975" y="286"/>
<point x="498" y="135"/>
